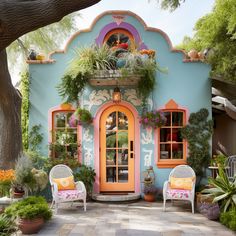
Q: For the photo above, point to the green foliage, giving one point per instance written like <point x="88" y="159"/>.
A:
<point x="224" y="191"/>
<point x="91" y="59"/>
<point x="45" y="39"/>
<point x="83" y="116"/>
<point x="35" y="137"/>
<point x="86" y="174"/>
<point x="229" y="219"/>
<point x="216" y="31"/>
<point x="24" y="89"/>
<point x="81" y="68"/>
<point x="7" y="225"/>
<point x="171" y="4"/>
<point x="30" y="208"/>
<point x="219" y="160"/>
<point x="198" y="133"/>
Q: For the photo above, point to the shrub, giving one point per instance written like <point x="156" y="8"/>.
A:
<point x="149" y="189"/>
<point x="30" y="208"/>
<point x="229" y="219"/>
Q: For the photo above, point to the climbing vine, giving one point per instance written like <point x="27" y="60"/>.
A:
<point x="198" y="132"/>
<point x="24" y="89"/>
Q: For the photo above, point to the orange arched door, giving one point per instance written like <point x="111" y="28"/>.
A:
<point x="117" y="150"/>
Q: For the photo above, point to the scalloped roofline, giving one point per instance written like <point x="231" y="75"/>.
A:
<point x="113" y="12"/>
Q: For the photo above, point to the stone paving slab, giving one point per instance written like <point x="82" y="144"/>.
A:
<point x="131" y="219"/>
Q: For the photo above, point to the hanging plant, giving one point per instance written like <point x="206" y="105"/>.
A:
<point x="80" y="117"/>
<point x="153" y="119"/>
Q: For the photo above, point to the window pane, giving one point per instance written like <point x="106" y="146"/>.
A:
<point x="111" y="174"/>
<point x="59" y="150"/>
<point x="72" y="150"/>
<point x="111" y="157"/>
<point x="122" y="121"/>
<point x="165" y="134"/>
<point x="123" y="174"/>
<point x="176" y="135"/>
<point x="123" y="156"/>
<point x="111" y="122"/>
<point x="60" y="119"/>
<point x="165" y="151"/>
<point x="111" y="139"/>
<point x="168" y="118"/>
<point x="177" y="118"/>
<point x="177" y="151"/>
<point x="71" y="136"/>
<point x="123" y="139"/>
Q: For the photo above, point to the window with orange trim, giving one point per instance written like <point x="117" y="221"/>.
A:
<point x="64" y="136"/>
<point x="172" y="147"/>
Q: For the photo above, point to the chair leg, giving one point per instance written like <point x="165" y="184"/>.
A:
<point x="52" y="204"/>
<point x="192" y="203"/>
<point x="164" y="204"/>
<point x="84" y="204"/>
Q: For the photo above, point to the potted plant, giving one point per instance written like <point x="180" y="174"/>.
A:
<point x="31" y="213"/>
<point x="81" y="116"/>
<point x="152" y="119"/>
<point x="149" y="191"/>
<point x="7" y="225"/>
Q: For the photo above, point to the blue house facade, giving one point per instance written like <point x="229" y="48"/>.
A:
<point x="184" y="89"/>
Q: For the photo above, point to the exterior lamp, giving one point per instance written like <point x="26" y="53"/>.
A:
<point x="116" y="96"/>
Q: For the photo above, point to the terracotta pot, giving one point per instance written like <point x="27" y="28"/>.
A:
<point x="66" y="106"/>
<point x="149" y="197"/>
<point x="193" y="54"/>
<point x="30" y="226"/>
<point x="18" y="194"/>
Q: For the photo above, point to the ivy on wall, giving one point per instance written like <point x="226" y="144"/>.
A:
<point x="24" y="89"/>
<point x="198" y="133"/>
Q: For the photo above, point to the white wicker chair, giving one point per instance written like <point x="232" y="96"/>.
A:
<point x="181" y="171"/>
<point x="231" y="167"/>
<point x="63" y="171"/>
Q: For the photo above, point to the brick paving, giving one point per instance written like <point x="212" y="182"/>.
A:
<point x="131" y="219"/>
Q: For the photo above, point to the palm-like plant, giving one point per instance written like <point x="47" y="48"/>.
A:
<point x="224" y="191"/>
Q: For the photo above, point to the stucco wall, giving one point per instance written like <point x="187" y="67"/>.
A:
<point x="187" y="83"/>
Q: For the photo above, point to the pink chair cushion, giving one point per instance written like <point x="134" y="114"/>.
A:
<point x="178" y="193"/>
<point x="68" y="195"/>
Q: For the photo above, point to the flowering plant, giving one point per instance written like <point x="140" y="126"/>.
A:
<point x="6" y="177"/>
<point x="154" y="119"/>
<point x="149" y="189"/>
<point x="81" y="117"/>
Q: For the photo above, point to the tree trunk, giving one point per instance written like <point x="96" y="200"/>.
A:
<point x="10" y="104"/>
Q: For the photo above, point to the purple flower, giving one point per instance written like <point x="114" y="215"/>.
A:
<point x="145" y="120"/>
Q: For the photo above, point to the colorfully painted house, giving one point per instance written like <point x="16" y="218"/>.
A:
<point x="185" y="88"/>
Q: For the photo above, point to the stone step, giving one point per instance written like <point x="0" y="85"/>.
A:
<point x="116" y="198"/>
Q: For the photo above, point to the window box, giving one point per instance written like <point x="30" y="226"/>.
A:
<point x="113" y="78"/>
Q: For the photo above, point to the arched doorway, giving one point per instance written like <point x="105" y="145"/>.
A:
<point x="117" y="145"/>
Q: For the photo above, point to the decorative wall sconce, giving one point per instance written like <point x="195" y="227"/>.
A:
<point x="116" y="96"/>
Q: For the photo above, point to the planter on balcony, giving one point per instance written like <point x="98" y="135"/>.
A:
<point x="113" y="78"/>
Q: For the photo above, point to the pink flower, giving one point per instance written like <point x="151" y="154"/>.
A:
<point x="145" y="120"/>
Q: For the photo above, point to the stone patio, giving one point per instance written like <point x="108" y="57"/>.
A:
<point x="129" y="219"/>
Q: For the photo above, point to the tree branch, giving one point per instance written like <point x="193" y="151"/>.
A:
<point x="18" y="17"/>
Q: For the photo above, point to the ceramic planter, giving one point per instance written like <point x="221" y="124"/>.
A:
<point x="28" y="226"/>
<point x="149" y="197"/>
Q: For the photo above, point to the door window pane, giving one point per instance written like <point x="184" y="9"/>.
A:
<point x="122" y="121"/>
<point x="111" y="174"/>
<point x="123" y="174"/>
<point x="123" y="139"/>
<point x="111" y="122"/>
<point x="111" y="139"/>
<point x="111" y="157"/>
<point x="123" y="156"/>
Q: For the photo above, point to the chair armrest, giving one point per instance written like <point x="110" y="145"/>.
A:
<point x="165" y="186"/>
<point x="54" y="188"/>
<point x="80" y="186"/>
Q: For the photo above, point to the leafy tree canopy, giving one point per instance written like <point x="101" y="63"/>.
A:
<point x="43" y="40"/>
<point x="217" y="31"/>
